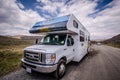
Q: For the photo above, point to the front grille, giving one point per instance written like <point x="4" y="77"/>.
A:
<point x="34" y="57"/>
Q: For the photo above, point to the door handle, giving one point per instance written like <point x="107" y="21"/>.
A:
<point x="65" y="49"/>
<point x="73" y="50"/>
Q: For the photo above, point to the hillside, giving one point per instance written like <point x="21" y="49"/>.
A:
<point x="11" y="50"/>
<point x="26" y="37"/>
<point x="31" y="37"/>
<point x="12" y="41"/>
<point x="114" y="41"/>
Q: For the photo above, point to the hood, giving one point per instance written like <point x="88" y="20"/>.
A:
<point x="45" y="48"/>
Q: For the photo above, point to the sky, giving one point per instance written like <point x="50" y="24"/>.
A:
<point x="100" y="17"/>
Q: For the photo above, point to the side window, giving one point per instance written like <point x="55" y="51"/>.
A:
<point x="75" y="24"/>
<point x="82" y="36"/>
<point x="70" y="41"/>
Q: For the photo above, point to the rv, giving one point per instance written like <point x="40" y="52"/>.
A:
<point x="65" y="40"/>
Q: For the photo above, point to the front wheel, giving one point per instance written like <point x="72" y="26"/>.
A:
<point x="61" y="69"/>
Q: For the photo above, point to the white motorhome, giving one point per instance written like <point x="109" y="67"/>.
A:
<point x="65" y="40"/>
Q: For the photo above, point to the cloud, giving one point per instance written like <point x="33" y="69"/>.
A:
<point x="101" y="24"/>
<point x="50" y="6"/>
<point x="15" y="21"/>
<point x="20" y="5"/>
<point x="104" y="25"/>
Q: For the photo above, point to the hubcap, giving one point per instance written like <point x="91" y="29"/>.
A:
<point x="62" y="69"/>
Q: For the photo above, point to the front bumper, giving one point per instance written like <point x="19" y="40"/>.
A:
<point x="39" y="68"/>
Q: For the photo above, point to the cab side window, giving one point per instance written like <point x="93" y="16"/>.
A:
<point x="70" y="41"/>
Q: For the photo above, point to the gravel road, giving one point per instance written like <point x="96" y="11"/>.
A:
<point x="102" y="64"/>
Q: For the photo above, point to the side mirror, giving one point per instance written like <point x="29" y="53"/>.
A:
<point x="36" y="41"/>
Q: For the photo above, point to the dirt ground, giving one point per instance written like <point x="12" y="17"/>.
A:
<point x="101" y="64"/>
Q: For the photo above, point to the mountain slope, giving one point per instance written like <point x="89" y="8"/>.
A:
<point x="114" y="41"/>
<point x="4" y="40"/>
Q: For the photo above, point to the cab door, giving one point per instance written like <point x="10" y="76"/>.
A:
<point x="70" y="48"/>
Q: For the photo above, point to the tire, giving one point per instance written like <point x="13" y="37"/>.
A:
<point x="61" y="69"/>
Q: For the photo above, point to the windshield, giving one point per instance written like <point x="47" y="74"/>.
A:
<point x="54" y="39"/>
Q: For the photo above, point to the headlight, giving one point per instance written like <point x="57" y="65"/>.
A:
<point x="50" y="58"/>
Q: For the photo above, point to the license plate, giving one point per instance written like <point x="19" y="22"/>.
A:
<point x="28" y="70"/>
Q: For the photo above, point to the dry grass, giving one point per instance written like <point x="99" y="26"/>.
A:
<point x="10" y="54"/>
<point x="114" y="45"/>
